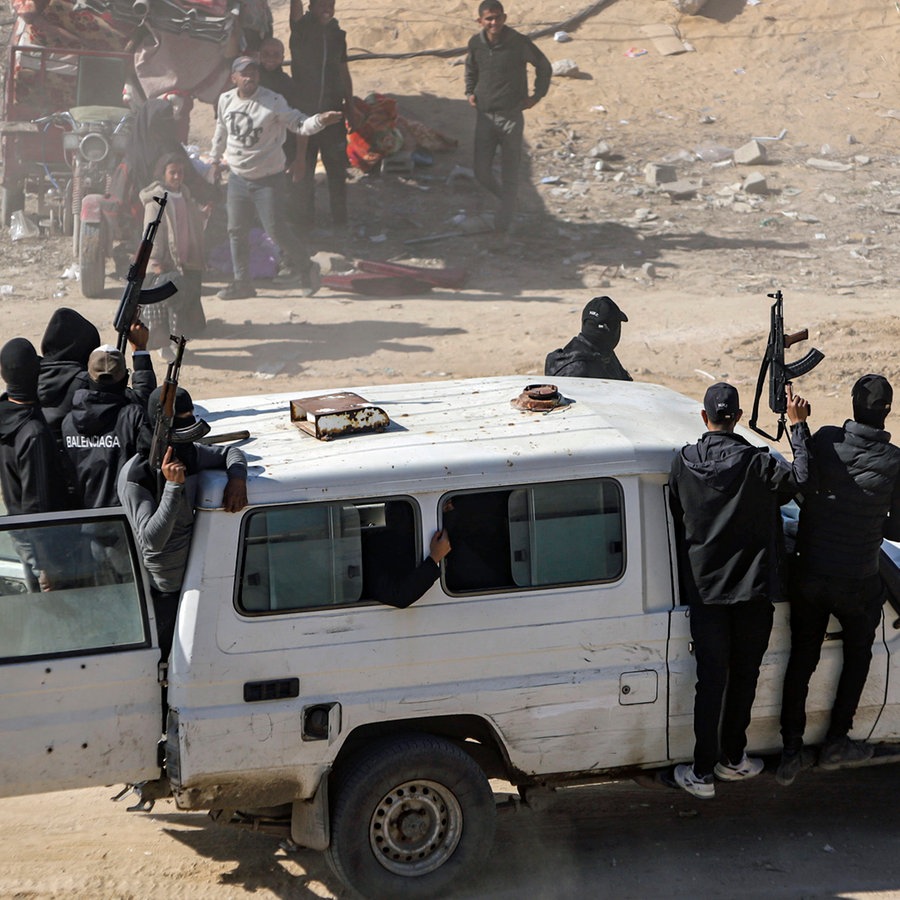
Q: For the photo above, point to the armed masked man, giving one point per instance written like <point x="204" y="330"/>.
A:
<point x="163" y="520"/>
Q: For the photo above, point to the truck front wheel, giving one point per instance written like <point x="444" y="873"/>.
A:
<point x="410" y="816"/>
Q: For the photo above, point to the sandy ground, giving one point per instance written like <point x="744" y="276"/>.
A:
<point x="692" y="274"/>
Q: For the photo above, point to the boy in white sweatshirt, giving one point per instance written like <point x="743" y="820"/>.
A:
<point x="251" y="124"/>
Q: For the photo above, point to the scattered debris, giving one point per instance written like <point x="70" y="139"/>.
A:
<point x="828" y="165"/>
<point x="566" y="68"/>
<point x="665" y="39"/>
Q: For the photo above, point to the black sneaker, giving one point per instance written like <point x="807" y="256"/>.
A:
<point x="792" y="764"/>
<point x="841" y="753"/>
<point x="237" y="290"/>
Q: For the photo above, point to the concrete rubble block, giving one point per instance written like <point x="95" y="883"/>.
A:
<point x="656" y="174"/>
<point x="681" y="190"/>
<point x="750" y="154"/>
<point x="828" y="165"/>
<point x="755" y="183"/>
<point x="566" y="68"/>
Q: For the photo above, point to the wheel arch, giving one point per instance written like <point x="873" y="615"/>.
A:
<point x="473" y="734"/>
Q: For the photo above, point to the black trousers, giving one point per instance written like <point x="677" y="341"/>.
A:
<point x="729" y="643"/>
<point x="856" y="604"/>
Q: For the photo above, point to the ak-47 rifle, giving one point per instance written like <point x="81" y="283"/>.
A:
<point x="780" y="373"/>
<point x="164" y="430"/>
<point x="134" y="296"/>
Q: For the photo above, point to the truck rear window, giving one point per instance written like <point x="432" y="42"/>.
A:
<point x="315" y="555"/>
<point x="534" y="536"/>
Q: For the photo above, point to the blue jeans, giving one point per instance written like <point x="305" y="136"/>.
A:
<point x="264" y="197"/>
<point x="505" y="131"/>
<point x="729" y="644"/>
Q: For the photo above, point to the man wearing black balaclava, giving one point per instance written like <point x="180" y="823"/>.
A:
<point x="66" y="345"/>
<point x="163" y="521"/>
<point x="30" y="469"/>
<point x="591" y="353"/>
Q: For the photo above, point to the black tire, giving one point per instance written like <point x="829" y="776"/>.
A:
<point x="410" y="815"/>
<point x="92" y="260"/>
<point x="12" y="199"/>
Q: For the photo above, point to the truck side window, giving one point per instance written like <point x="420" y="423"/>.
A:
<point x="69" y="589"/>
<point x="535" y="536"/>
<point x="315" y="555"/>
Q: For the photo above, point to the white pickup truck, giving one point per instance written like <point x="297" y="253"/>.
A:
<point x="553" y="649"/>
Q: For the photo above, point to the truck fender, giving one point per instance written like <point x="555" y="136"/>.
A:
<point x="91" y="210"/>
<point x="310" y="826"/>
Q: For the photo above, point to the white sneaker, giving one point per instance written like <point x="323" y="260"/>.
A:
<point x="748" y="767"/>
<point x="703" y="788"/>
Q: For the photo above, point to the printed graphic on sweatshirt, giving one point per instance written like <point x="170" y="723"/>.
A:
<point x="240" y="127"/>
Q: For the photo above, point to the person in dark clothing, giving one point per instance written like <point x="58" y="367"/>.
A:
<point x="273" y="78"/>
<point x="319" y="69"/>
<point x="496" y="80"/>
<point x="591" y="353"/>
<point x="66" y="345"/>
<point x="854" y="505"/>
<point x="31" y="476"/>
<point x="163" y="522"/>
<point x="161" y="127"/>
<point x="725" y="496"/>
<point x="30" y="471"/>
<point x="392" y="579"/>
<point x="105" y="428"/>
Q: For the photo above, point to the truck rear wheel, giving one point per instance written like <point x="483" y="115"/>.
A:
<point x="410" y="816"/>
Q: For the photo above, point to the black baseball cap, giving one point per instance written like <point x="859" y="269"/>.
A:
<point x="721" y="402"/>
<point x="872" y="394"/>
<point x="602" y="311"/>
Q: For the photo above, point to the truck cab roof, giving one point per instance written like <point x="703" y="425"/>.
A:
<point x="455" y="432"/>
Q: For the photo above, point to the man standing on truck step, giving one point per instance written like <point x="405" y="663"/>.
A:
<point x="164" y="523"/>
<point x="854" y="504"/>
<point x="725" y="496"/>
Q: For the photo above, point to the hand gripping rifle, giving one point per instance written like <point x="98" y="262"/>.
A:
<point x="780" y="373"/>
<point x="135" y="296"/>
<point x="164" y="430"/>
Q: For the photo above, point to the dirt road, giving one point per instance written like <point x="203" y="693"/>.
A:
<point x="829" y="835"/>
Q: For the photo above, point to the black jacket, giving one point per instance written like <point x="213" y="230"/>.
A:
<point x="855" y="505"/>
<point x="101" y="433"/>
<point x="60" y="379"/>
<point x="30" y="469"/>
<point x="725" y="496"/>
<point x="317" y="52"/>
<point x="579" y="359"/>
<point x="497" y="74"/>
